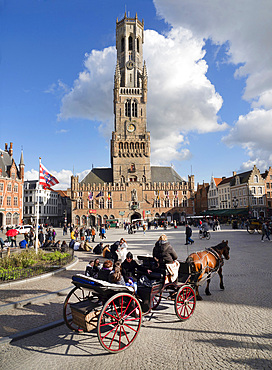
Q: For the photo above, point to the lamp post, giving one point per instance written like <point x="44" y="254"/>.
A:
<point x="235" y="202"/>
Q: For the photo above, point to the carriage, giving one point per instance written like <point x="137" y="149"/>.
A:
<point x="116" y="311"/>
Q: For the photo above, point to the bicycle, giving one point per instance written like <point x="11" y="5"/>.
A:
<point x="204" y="235"/>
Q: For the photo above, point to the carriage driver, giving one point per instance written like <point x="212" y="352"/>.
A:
<point x="164" y="253"/>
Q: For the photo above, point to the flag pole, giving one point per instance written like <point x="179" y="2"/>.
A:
<point x="37" y="210"/>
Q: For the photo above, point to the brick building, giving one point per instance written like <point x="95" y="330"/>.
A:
<point x="11" y="188"/>
<point x="201" y="198"/>
<point x="131" y="188"/>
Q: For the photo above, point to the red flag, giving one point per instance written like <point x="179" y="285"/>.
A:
<point x="46" y="179"/>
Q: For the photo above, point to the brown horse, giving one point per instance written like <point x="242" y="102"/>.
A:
<point x="207" y="262"/>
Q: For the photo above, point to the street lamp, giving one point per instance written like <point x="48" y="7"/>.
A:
<point x="235" y="202"/>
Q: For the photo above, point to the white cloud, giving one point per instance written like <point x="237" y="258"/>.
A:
<point x="245" y="28"/>
<point x="91" y="95"/>
<point x="63" y="176"/>
<point x="253" y="132"/>
<point x="180" y="97"/>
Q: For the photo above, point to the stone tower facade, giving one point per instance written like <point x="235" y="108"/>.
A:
<point x="130" y="189"/>
<point x="130" y="143"/>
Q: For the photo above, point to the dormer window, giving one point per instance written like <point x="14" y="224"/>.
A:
<point x="256" y="178"/>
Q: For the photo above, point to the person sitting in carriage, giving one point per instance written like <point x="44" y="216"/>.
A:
<point x="104" y="272"/>
<point x="166" y="257"/>
<point x="116" y="276"/>
<point x="129" y="268"/>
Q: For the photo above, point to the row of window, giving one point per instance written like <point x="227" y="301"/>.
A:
<point x="130" y="44"/>
<point x="156" y="193"/>
<point x="102" y="204"/>
<point x="12" y="219"/>
<point x="131" y="146"/>
<point x="9" y="201"/>
<point x="49" y="210"/>
<point x="243" y="202"/>
<point x="9" y="187"/>
<point x="42" y="199"/>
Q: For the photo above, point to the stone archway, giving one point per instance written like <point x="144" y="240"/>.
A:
<point x="135" y="216"/>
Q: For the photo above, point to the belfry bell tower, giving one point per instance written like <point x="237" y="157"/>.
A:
<point x="130" y="143"/>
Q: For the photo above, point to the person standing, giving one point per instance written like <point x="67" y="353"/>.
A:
<point x="64" y="230"/>
<point x="103" y="232"/>
<point x="41" y="238"/>
<point x="93" y="234"/>
<point x="188" y="233"/>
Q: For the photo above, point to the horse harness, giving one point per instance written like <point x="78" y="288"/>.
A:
<point x="219" y="260"/>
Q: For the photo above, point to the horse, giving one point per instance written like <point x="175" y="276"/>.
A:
<point x="207" y="262"/>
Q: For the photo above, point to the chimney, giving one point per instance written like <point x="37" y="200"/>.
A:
<point x="10" y="149"/>
<point x="234" y="173"/>
<point x="6" y="147"/>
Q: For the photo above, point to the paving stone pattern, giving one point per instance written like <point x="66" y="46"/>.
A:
<point x="229" y="329"/>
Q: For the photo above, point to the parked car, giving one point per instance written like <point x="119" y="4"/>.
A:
<point x="24" y="229"/>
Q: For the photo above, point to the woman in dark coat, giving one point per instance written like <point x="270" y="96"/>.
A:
<point x="163" y="252"/>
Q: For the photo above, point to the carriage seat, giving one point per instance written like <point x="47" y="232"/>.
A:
<point x="91" y="283"/>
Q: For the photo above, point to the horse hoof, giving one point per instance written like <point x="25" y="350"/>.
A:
<point x="199" y="298"/>
<point x="208" y="293"/>
<point x="222" y="287"/>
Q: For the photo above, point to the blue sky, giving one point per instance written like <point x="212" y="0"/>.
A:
<point x="210" y="83"/>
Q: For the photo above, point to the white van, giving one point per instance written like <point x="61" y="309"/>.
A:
<point x="24" y="229"/>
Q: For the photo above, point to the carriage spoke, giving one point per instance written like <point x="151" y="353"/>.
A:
<point x="185" y="302"/>
<point x="118" y="335"/>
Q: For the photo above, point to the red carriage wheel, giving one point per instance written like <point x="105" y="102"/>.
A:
<point x="185" y="302"/>
<point x="156" y="300"/>
<point x="119" y="322"/>
<point x="76" y="295"/>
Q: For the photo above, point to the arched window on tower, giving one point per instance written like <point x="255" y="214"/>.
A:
<point x="134" y="108"/>
<point x="138" y="45"/>
<point x="122" y="44"/>
<point x="121" y="146"/>
<point x="127" y="108"/>
<point x="130" y="43"/>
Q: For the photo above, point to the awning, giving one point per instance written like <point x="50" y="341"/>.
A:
<point x="225" y="212"/>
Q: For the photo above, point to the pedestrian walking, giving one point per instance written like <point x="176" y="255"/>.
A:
<point x="188" y="233"/>
<point x="265" y="231"/>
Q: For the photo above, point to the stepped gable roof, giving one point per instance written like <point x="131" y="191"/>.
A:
<point x="5" y="162"/>
<point x="98" y="176"/>
<point x="164" y="174"/>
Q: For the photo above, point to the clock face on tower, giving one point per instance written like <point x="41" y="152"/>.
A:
<point x="130" y="64"/>
<point x="131" y="127"/>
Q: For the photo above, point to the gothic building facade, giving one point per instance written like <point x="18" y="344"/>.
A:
<point x="11" y="188"/>
<point x="131" y="188"/>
